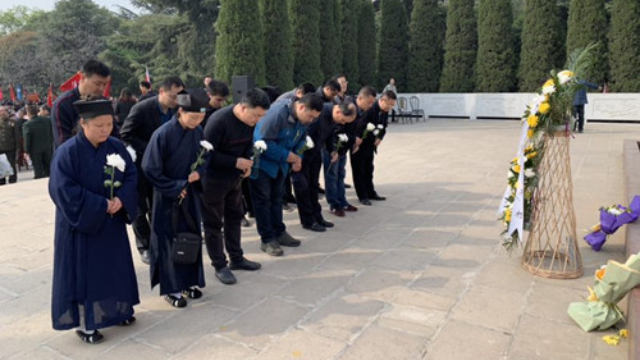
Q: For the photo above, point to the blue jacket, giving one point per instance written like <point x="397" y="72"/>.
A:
<point x="283" y="134"/>
<point x="581" y="95"/>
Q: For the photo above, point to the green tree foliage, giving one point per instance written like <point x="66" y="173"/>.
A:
<point x="151" y="40"/>
<point x="328" y="28"/>
<point x="19" y="18"/>
<point x="350" y="63"/>
<point x="495" y="67"/>
<point x="542" y="44"/>
<point x="20" y="62"/>
<point x="240" y="43"/>
<point x="367" y="44"/>
<point x="624" y="46"/>
<point x="197" y="42"/>
<point x="588" y="25"/>
<point x="306" y="41"/>
<point x="460" y="48"/>
<point x="393" y="48"/>
<point x="337" y="19"/>
<point x="425" y="47"/>
<point x="277" y="49"/>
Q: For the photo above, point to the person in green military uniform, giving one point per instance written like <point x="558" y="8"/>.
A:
<point x="38" y="141"/>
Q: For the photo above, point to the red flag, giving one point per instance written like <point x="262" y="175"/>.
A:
<point x="107" y="89"/>
<point x="12" y="93"/>
<point x="71" y="83"/>
<point x="50" y="96"/>
<point x="1" y="94"/>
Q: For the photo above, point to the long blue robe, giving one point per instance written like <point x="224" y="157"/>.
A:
<point x="92" y="267"/>
<point x="167" y="164"/>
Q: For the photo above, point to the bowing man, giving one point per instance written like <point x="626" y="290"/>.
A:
<point x="93" y="185"/>
<point x="167" y="163"/>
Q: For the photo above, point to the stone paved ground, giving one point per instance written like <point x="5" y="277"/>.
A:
<point x="420" y="276"/>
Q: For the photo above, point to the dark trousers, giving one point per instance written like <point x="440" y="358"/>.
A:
<point x="11" y="156"/>
<point x="305" y="186"/>
<point x="41" y="163"/>
<point x="140" y="224"/>
<point x="266" y="194"/>
<point x="578" y="111"/>
<point x="288" y="193"/>
<point x="222" y="206"/>
<point x="246" y="197"/>
<point x="362" y="171"/>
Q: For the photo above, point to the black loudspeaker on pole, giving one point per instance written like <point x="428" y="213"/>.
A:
<point x="240" y="84"/>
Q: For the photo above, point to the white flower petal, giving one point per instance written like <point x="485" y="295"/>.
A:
<point x="370" y="127"/>
<point x="309" y="142"/>
<point x="206" y="145"/>
<point x="132" y="153"/>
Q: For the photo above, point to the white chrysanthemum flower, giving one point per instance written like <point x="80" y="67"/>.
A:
<point x="529" y="173"/>
<point x="116" y="161"/>
<point x="614" y="210"/>
<point x="132" y="153"/>
<point x="380" y="126"/>
<point x="260" y="145"/>
<point x="343" y="138"/>
<point x="549" y="89"/>
<point x="370" y="127"/>
<point x="206" y="145"/>
<point x="565" y="76"/>
<point x="309" y="142"/>
<point x="376" y="132"/>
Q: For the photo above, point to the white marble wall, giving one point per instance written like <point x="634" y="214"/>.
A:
<point x="603" y="107"/>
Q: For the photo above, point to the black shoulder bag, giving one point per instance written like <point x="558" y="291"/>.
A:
<point x="186" y="245"/>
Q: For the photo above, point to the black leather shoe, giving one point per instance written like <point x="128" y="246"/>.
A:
<point x="144" y="256"/>
<point x="378" y="198"/>
<point x="226" y="276"/>
<point x="365" y="202"/>
<point x="245" y="264"/>
<point x="272" y="248"/>
<point x="325" y="223"/>
<point x="287" y="240"/>
<point x="314" y="227"/>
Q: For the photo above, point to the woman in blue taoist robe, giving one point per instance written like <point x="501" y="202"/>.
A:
<point x="167" y="161"/>
<point x="94" y="283"/>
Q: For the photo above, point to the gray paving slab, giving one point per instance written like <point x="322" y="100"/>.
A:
<point x="419" y="276"/>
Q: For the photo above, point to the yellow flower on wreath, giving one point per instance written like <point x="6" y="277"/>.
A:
<point x="531" y="155"/>
<point x="516" y="169"/>
<point x="549" y="82"/>
<point x="530" y="133"/>
<point x="544" y="108"/>
<point x="532" y="120"/>
<point x="507" y="215"/>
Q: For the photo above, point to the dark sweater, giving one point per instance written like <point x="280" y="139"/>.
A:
<point x="231" y="139"/>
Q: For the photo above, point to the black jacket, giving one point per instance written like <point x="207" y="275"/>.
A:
<point x="144" y="118"/>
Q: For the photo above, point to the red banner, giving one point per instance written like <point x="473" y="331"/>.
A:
<point x="71" y="83"/>
<point x="107" y="89"/>
<point x="1" y="94"/>
<point x="12" y="93"/>
<point x="50" y="96"/>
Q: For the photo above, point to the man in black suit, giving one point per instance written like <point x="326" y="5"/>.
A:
<point x="145" y="117"/>
<point x="363" y="153"/>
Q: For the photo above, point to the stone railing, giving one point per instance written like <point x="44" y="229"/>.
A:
<point x="631" y="154"/>
<point x="617" y="107"/>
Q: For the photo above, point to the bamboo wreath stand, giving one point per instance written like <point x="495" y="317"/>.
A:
<point x="551" y="251"/>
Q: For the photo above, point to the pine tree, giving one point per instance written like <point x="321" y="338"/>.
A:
<point x="337" y="19"/>
<point x="393" y="49"/>
<point x="624" y="46"/>
<point x="542" y="45"/>
<point x="350" y="15"/>
<point x="425" y="47"/>
<point x="328" y="31"/>
<point x="367" y="43"/>
<point x="460" y="48"/>
<point x="306" y="41"/>
<point x="588" y="25"/>
<point x="495" y="66"/>
<point x="277" y="45"/>
<point x="240" y="45"/>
